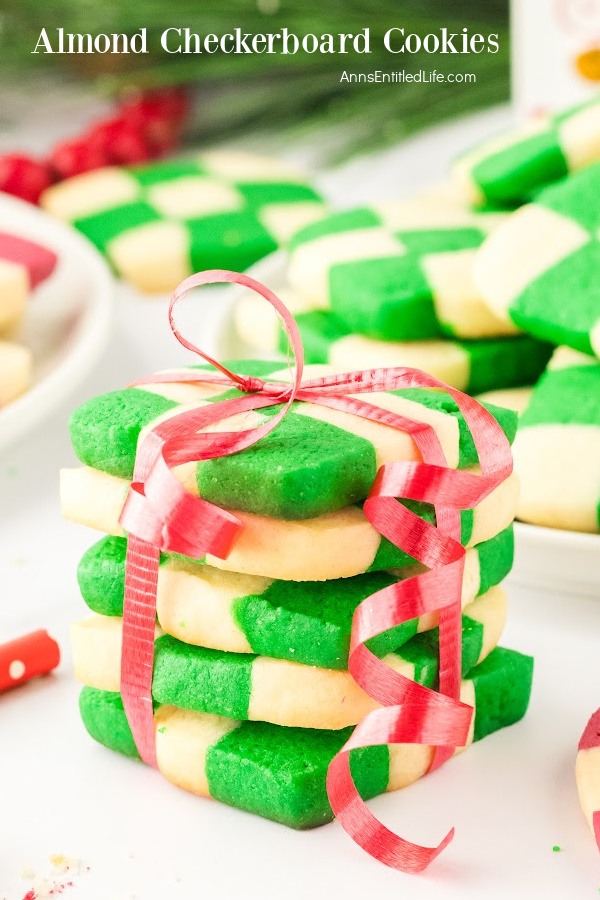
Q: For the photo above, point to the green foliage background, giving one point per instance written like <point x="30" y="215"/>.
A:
<point x="276" y="92"/>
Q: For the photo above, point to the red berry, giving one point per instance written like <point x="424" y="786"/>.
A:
<point x="160" y="115"/>
<point x="162" y="136"/>
<point x="166" y="104"/>
<point x="122" y="142"/>
<point x="76" y="156"/>
<point x="130" y="145"/>
<point x="24" y="176"/>
<point x="102" y="135"/>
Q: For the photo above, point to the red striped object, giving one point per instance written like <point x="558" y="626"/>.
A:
<point x="27" y="657"/>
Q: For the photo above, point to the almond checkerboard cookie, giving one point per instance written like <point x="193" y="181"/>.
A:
<point x="557" y="448"/>
<point x="540" y="268"/>
<point x="24" y="265"/>
<point x="15" y="371"/>
<point x="587" y="773"/>
<point x="280" y="773"/>
<point x="318" y="460"/>
<point x="306" y="622"/>
<point x="509" y="169"/>
<point x="516" y="398"/>
<point x="262" y="688"/>
<point x="339" y="544"/>
<point x="297" y="492"/>
<point x="300" y="518"/>
<point x="159" y="223"/>
<point x="397" y="271"/>
<point x="472" y="366"/>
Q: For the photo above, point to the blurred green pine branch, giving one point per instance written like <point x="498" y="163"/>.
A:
<point x="275" y="92"/>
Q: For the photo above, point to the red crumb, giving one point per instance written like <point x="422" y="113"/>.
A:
<point x="57" y="889"/>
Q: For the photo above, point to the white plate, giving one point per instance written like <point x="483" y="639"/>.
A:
<point x="269" y="271"/>
<point x="67" y="320"/>
<point x="545" y="558"/>
<point x="557" y="560"/>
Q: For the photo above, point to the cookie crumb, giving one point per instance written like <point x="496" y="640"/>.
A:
<point x="52" y="883"/>
<point x="62" y="863"/>
<point x="19" y="561"/>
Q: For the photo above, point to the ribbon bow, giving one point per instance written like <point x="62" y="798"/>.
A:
<point x="160" y="515"/>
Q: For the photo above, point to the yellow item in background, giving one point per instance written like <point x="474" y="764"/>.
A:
<point x="555" y="53"/>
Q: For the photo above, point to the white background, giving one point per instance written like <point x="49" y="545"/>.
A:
<point x="511" y="797"/>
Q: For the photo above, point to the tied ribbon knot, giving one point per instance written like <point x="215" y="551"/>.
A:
<point x="161" y="515"/>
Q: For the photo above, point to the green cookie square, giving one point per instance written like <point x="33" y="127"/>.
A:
<point x="387" y="298"/>
<point x="233" y="240"/>
<point x="103" y="227"/>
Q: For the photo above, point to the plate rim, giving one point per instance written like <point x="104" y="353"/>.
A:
<point x="543" y="534"/>
<point x="87" y="343"/>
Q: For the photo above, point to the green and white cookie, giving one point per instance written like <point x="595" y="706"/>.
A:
<point x="397" y="271"/>
<point x="280" y="773"/>
<point x="264" y="689"/>
<point x="305" y="622"/>
<point x="317" y="461"/>
<point x="540" y="268"/>
<point x="159" y="223"/>
<point x="335" y="545"/>
<point x="471" y="366"/>
<point x="509" y="169"/>
<point x="16" y="364"/>
<point x="557" y="448"/>
<point x="516" y="398"/>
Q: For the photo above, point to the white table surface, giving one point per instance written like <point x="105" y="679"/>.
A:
<point x="512" y="797"/>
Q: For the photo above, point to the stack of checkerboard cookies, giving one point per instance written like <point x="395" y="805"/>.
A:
<point x="251" y="688"/>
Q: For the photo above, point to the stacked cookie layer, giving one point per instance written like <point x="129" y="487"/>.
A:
<point x="392" y="285"/>
<point x="252" y="693"/>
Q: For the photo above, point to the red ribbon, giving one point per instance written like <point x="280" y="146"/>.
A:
<point x="159" y="515"/>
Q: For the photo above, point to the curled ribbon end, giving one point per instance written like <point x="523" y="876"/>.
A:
<point x="418" y="862"/>
<point x="412" y="859"/>
<point x="367" y="831"/>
